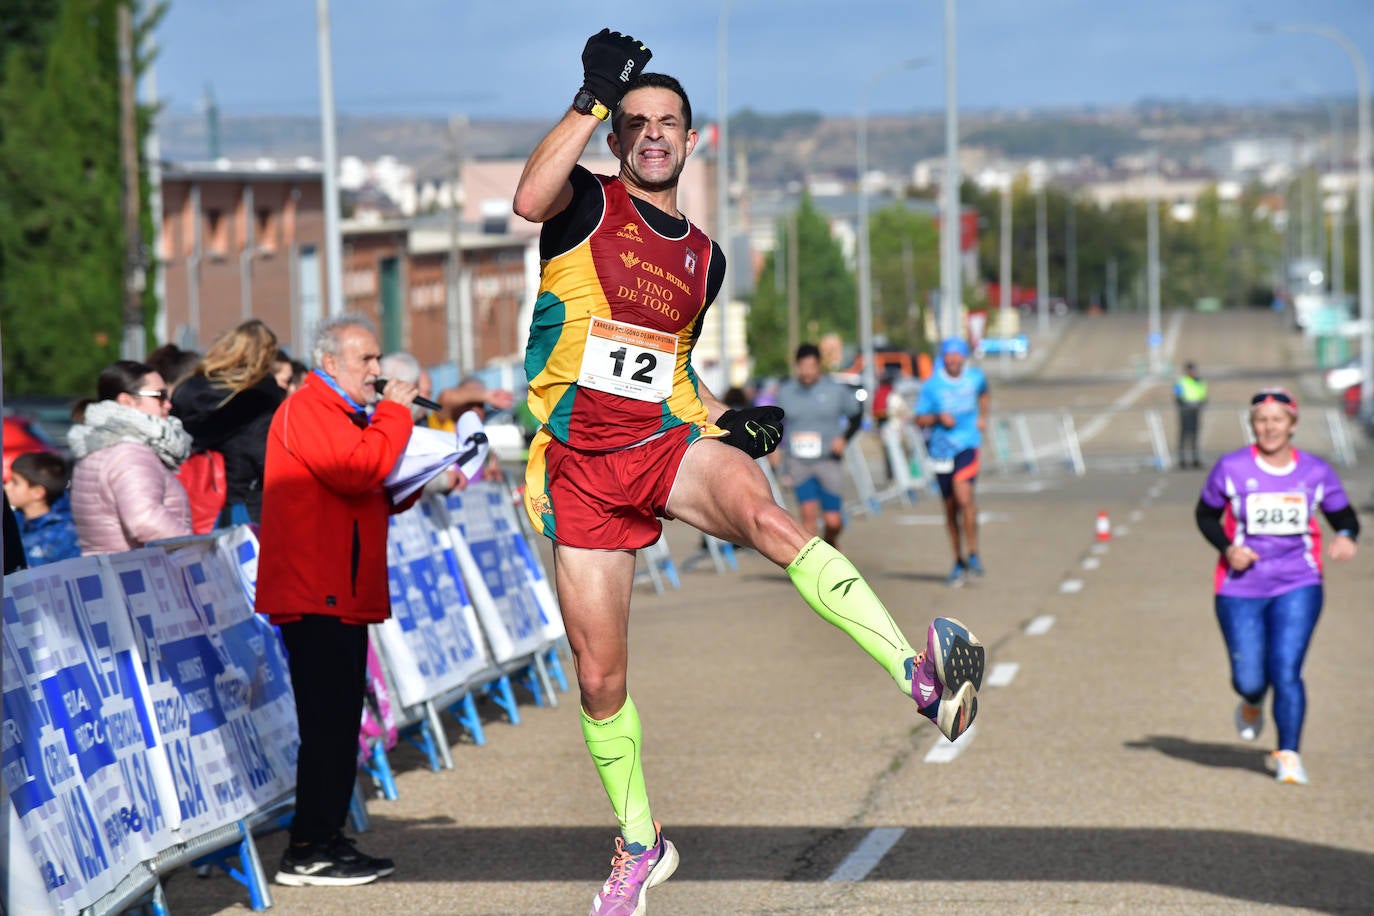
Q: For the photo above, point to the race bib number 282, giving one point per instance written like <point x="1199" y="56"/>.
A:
<point x="628" y="360"/>
<point x="1276" y="513"/>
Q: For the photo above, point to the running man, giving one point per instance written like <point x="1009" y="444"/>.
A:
<point x="822" y="416"/>
<point x="1258" y="508"/>
<point x="953" y="407"/>
<point x="631" y="435"/>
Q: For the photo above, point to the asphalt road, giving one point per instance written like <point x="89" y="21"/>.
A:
<point x="1103" y="774"/>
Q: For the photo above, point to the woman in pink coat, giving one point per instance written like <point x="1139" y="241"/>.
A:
<point x="127" y="448"/>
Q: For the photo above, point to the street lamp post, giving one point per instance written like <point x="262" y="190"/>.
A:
<point x="333" y="241"/>
<point x="950" y="223"/>
<point x="1042" y="262"/>
<point x="1363" y="199"/>
<point x="869" y="380"/>
<point x="1004" y="273"/>
<point x="1152" y="265"/>
<point x="723" y="186"/>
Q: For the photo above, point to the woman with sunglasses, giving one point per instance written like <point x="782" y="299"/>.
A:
<point x="1258" y="508"/>
<point x="124" y="487"/>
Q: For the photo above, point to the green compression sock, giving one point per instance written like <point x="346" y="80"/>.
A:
<point x="836" y="591"/>
<point x="614" y="744"/>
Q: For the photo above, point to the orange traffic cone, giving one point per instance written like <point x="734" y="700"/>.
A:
<point x="1104" y="526"/>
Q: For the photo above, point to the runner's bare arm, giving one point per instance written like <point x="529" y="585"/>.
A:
<point x="714" y="407"/>
<point x="544" y="190"/>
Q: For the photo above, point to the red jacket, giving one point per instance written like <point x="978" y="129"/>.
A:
<point x="324" y="509"/>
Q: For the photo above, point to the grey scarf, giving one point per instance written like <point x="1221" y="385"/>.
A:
<point x="109" y="422"/>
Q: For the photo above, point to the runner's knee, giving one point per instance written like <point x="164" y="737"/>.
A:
<point x="601" y="688"/>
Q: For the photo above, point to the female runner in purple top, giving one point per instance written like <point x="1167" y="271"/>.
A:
<point x="1258" y="508"/>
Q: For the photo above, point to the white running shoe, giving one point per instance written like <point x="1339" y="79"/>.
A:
<point x="1249" y="721"/>
<point x="1288" y="768"/>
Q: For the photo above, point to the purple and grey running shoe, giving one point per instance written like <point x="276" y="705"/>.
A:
<point x="946" y="677"/>
<point x="632" y="873"/>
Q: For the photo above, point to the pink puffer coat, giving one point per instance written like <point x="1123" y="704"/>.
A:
<point x="123" y="496"/>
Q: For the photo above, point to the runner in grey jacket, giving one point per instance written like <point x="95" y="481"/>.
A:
<point x="822" y="416"/>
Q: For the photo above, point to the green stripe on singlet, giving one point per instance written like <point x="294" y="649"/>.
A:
<point x="545" y="330"/>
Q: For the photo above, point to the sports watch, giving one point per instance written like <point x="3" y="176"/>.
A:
<point x="585" y="103"/>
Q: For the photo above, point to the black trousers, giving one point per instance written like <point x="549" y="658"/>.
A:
<point x="328" y="662"/>
<point x="1187" y="434"/>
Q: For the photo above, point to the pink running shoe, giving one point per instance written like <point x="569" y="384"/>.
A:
<point x="945" y="677"/>
<point x="632" y="873"/>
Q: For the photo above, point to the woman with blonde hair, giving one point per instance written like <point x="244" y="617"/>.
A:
<point x="227" y="407"/>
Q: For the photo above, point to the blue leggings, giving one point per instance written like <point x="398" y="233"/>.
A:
<point x="1267" y="639"/>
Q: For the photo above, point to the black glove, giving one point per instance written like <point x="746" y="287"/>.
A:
<point x="756" y="431"/>
<point x="609" y="62"/>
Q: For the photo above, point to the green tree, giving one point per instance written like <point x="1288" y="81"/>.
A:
<point x="61" y="236"/>
<point x="827" y="301"/>
<point x="905" y="256"/>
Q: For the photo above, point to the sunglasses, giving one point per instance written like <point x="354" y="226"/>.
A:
<point x="160" y="393"/>
<point x="1263" y="397"/>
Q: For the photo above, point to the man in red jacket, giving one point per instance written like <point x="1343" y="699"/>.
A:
<point x="322" y="578"/>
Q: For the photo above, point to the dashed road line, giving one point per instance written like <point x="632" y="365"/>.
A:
<point x="1001" y="674"/>
<point x="1040" y="625"/>
<point x="869" y="852"/>
<point x="946" y="751"/>
<point x="1070" y="586"/>
<point x="1091" y="562"/>
<point x="1100" y="549"/>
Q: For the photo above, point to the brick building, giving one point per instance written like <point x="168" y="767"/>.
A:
<point x="241" y="242"/>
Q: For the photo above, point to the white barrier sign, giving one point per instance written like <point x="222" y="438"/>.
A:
<point x="484" y="539"/>
<point x="89" y="777"/>
<point x="244" y="687"/>
<point x="239" y="547"/>
<point x="182" y="667"/>
<point x="432" y="640"/>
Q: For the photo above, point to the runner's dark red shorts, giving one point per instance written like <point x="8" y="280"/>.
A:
<point x="604" y="500"/>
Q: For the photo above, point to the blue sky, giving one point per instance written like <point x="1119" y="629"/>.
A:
<point x="521" y="58"/>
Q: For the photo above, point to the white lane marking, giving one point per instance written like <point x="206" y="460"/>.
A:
<point x="1070" y="586"/>
<point x="868" y="853"/>
<point x="1001" y="674"/>
<point x="1011" y="486"/>
<point x="1100" y="549"/>
<point x="1099" y="422"/>
<point x="1091" y="562"/>
<point x="1136" y="515"/>
<point x="1040" y="625"/>
<point x="946" y="751"/>
<point x="1122" y="530"/>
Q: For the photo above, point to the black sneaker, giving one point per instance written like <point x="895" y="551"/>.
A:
<point x="314" y="866"/>
<point x="344" y="849"/>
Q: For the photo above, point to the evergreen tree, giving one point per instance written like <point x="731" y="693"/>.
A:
<point x="828" y="298"/>
<point x="61" y="235"/>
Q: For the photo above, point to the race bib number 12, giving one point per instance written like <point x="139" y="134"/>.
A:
<point x="628" y="360"/>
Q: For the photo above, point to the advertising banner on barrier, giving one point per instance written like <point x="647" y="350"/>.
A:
<point x="84" y="766"/>
<point x="496" y="564"/>
<point x="239" y="547"/>
<point x="432" y="640"/>
<point x="183" y="671"/>
<point x="378" y="720"/>
<point x="245" y="685"/>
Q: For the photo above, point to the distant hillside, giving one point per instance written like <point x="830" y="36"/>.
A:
<point x="785" y="147"/>
<point x="422" y="142"/>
